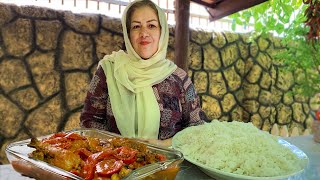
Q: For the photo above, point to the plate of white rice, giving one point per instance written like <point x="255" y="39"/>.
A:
<point x="237" y="150"/>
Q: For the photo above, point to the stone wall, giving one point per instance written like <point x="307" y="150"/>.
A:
<point x="48" y="57"/>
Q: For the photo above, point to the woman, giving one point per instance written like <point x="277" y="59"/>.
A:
<point x="139" y="93"/>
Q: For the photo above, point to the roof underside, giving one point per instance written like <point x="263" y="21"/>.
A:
<point x="222" y="8"/>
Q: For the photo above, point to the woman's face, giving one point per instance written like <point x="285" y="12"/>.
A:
<point x="145" y="32"/>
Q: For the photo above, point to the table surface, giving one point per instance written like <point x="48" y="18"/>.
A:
<point x="191" y="172"/>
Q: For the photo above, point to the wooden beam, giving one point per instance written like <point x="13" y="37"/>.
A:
<point x="227" y="7"/>
<point x="182" y="14"/>
<point x="207" y="3"/>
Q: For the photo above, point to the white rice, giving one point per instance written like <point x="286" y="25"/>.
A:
<point x="238" y="148"/>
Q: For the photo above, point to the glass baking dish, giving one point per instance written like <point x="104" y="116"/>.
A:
<point x="17" y="154"/>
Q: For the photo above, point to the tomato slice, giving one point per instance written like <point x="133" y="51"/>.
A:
<point x="55" y="140"/>
<point x="84" y="153"/>
<point x="88" y="170"/>
<point x="74" y="136"/>
<point x="126" y="154"/>
<point x="318" y="115"/>
<point x="92" y="160"/>
<point x="103" y="155"/>
<point x="59" y="134"/>
<point x="108" y="167"/>
<point x="161" y="157"/>
<point x="76" y="172"/>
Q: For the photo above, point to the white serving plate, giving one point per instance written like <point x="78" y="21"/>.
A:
<point x="218" y="174"/>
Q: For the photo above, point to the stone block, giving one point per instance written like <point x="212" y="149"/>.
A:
<point x="13" y="74"/>
<point x="47" y="33"/>
<point x="217" y="86"/>
<point x="18" y="37"/>
<point x="11" y="117"/>
<point x="76" y="51"/>
<point x="45" y="76"/>
<point x="233" y="79"/>
<point x="211" y="107"/>
<point x="76" y="85"/>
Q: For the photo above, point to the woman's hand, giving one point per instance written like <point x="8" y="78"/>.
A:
<point x="157" y="142"/>
<point x="162" y="143"/>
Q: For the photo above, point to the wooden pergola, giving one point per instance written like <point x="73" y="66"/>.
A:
<point x="216" y="8"/>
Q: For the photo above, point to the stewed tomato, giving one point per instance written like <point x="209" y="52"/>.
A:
<point x="74" y="136"/>
<point x="84" y="153"/>
<point x="318" y="115"/>
<point x="55" y="140"/>
<point x="161" y="157"/>
<point x="126" y="154"/>
<point x="59" y="134"/>
<point x="92" y="160"/>
<point x="107" y="167"/>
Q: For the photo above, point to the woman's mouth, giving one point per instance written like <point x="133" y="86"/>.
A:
<point x="144" y="43"/>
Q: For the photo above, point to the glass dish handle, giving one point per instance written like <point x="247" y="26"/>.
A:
<point x="149" y="170"/>
<point x="46" y="166"/>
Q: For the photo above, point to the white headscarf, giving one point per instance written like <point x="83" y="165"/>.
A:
<point x="130" y="79"/>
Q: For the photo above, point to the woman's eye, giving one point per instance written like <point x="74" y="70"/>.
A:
<point x="135" y="27"/>
<point x="152" y="26"/>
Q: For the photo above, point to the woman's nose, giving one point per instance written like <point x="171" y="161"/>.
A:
<point x="144" y="33"/>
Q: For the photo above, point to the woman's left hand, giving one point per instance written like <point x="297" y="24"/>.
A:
<point x="162" y="143"/>
<point x="157" y="142"/>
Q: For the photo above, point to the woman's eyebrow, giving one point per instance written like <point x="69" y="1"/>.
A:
<point x="136" y="22"/>
<point x="151" y="20"/>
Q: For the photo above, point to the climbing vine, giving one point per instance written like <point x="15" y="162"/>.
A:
<point x="297" y="23"/>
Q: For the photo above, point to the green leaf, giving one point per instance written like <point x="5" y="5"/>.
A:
<point x="258" y="26"/>
<point x="238" y="21"/>
<point x="279" y="28"/>
<point x="233" y="25"/>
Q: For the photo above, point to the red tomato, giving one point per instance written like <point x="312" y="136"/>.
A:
<point x="108" y="167"/>
<point x="74" y="136"/>
<point x="161" y="157"/>
<point x="76" y="172"/>
<point x="103" y="155"/>
<point x="55" y="140"/>
<point x="318" y="115"/>
<point x="84" y="153"/>
<point x="92" y="160"/>
<point x="126" y="154"/>
<point x="59" y="134"/>
<point x="88" y="170"/>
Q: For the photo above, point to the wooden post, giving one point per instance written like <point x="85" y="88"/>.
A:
<point x="182" y="14"/>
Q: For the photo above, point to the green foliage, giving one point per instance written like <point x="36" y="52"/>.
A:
<point x="286" y="19"/>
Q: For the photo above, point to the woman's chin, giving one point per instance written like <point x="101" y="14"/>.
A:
<point x="144" y="57"/>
